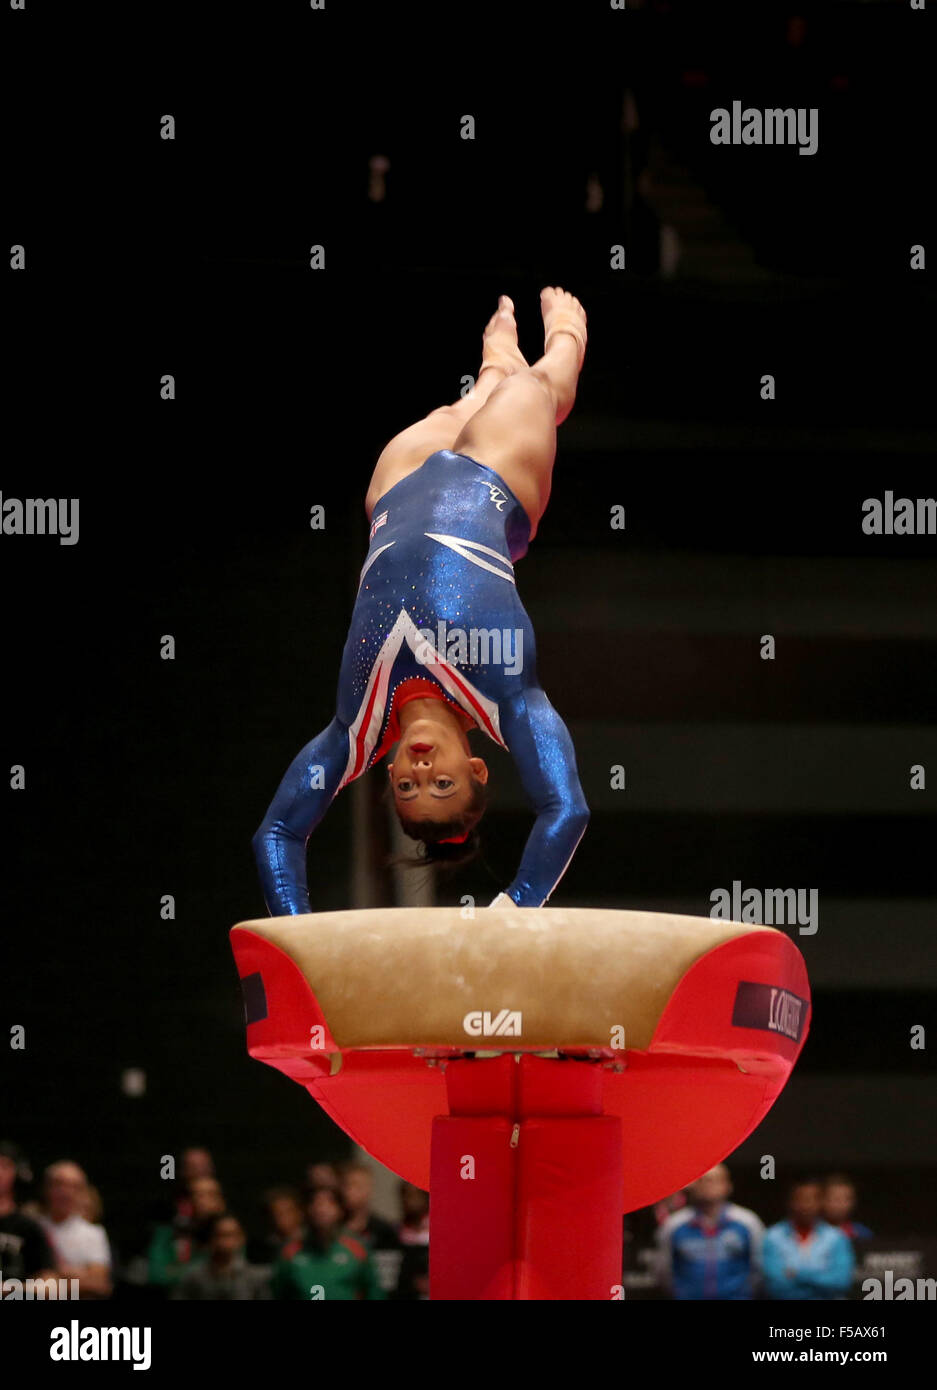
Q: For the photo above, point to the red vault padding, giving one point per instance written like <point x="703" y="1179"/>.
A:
<point x="722" y="1050"/>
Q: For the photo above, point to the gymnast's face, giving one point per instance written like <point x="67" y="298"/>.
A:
<point x="433" y="771"/>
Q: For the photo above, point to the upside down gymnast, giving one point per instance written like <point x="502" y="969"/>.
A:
<point x="453" y="503"/>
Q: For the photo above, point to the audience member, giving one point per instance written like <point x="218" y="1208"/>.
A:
<point x="413" y="1234"/>
<point x="286" y="1226"/>
<point x="24" y="1251"/>
<point x="711" y="1248"/>
<point x="414" y="1226"/>
<point x="322" y="1175"/>
<point x="331" y="1264"/>
<point x="184" y="1242"/>
<point x="224" y="1274"/>
<point x="80" y="1247"/>
<point x="839" y="1205"/>
<point x="804" y="1257"/>
<point x="357" y="1183"/>
<point x="196" y="1163"/>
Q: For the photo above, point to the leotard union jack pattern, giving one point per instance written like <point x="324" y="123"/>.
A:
<point x="437" y="612"/>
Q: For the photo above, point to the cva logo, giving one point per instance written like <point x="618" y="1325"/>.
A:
<point x="506" y="1023"/>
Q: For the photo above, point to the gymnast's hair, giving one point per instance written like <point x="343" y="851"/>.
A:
<point x="432" y="835"/>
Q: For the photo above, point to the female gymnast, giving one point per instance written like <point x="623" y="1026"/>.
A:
<point x="439" y="643"/>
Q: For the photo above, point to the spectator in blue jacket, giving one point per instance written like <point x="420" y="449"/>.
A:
<point x="804" y="1257"/>
<point x="839" y="1208"/>
<point x="712" y="1248"/>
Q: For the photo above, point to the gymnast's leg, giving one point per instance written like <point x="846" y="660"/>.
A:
<point x="501" y="357"/>
<point x="514" y="432"/>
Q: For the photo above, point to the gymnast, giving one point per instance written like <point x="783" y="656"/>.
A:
<point x="453" y="503"/>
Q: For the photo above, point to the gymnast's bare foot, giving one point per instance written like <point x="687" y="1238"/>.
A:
<point x="500" y="352"/>
<point x="564" y="346"/>
<point x="562" y="313"/>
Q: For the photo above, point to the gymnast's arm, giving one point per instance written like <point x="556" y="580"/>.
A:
<point x="543" y="752"/>
<point x="302" y="799"/>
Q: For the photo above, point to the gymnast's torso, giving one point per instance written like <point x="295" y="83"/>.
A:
<point x="437" y="613"/>
<point x="437" y="602"/>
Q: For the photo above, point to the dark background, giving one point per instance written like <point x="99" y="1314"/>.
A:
<point x="148" y="777"/>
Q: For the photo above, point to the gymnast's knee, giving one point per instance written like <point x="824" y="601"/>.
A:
<point x="456" y="412"/>
<point x="536" y="383"/>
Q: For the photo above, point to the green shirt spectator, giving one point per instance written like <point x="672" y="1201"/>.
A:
<point x="343" y="1270"/>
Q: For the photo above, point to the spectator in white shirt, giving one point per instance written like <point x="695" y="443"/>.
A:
<point x="81" y="1249"/>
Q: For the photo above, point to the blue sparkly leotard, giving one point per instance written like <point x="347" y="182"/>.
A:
<point x="437" y="612"/>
